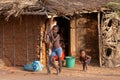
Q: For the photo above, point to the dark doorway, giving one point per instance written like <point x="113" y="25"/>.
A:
<point x="64" y="25"/>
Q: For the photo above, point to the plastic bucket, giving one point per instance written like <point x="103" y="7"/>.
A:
<point x="70" y="62"/>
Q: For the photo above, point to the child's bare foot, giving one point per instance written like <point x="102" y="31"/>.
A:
<point x="49" y="72"/>
<point x="84" y="70"/>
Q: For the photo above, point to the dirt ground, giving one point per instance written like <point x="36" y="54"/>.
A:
<point x="94" y="73"/>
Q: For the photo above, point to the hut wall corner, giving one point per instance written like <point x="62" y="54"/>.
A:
<point x="72" y="38"/>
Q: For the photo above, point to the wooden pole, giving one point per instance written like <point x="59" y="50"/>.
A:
<point x="41" y="39"/>
<point x="3" y="47"/>
<point x="76" y="38"/>
<point x="99" y="36"/>
<point x="14" y="46"/>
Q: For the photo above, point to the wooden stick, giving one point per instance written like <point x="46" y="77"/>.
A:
<point x="99" y="33"/>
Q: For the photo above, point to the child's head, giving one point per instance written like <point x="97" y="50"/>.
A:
<point x="82" y="53"/>
<point x="55" y="29"/>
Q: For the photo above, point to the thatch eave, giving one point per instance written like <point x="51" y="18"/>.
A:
<point x="36" y="13"/>
<point x="58" y="7"/>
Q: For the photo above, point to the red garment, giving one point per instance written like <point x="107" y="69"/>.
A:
<point x="63" y="56"/>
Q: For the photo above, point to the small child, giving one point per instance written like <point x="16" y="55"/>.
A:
<point x="85" y="59"/>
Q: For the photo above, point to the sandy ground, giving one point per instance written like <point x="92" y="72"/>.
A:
<point x="94" y="73"/>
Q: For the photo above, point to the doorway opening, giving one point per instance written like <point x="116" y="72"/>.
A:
<point x="64" y="31"/>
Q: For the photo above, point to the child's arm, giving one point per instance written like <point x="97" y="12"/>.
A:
<point x="53" y="38"/>
<point x="88" y="58"/>
<point x="81" y="60"/>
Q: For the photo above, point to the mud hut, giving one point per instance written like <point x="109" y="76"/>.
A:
<point x="84" y="25"/>
<point x="21" y="34"/>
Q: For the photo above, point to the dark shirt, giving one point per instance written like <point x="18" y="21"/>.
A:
<point x="85" y="59"/>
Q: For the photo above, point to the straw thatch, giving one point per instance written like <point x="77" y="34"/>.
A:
<point x="17" y="7"/>
<point x="59" y="7"/>
<point x="113" y="5"/>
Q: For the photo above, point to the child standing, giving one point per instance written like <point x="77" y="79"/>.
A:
<point x="47" y="37"/>
<point x="57" y="50"/>
<point x="85" y="59"/>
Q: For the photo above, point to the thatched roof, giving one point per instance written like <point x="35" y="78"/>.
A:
<point x="59" y="7"/>
<point x="76" y="6"/>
